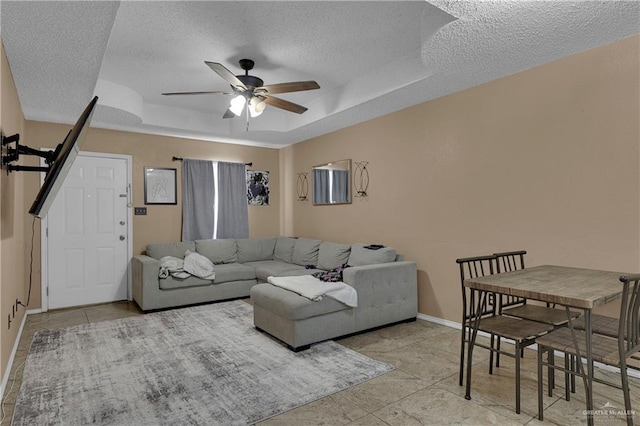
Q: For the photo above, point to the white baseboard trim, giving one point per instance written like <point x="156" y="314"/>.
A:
<point x="630" y="372"/>
<point x="5" y="376"/>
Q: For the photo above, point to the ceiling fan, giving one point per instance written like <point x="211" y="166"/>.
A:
<point x="249" y="91"/>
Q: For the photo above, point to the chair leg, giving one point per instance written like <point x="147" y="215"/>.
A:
<point x="574" y="367"/>
<point x="491" y="354"/>
<point x="567" y="366"/>
<point x="517" y="358"/>
<point x="625" y="390"/>
<point x="464" y="332"/>
<point x="540" y="405"/>
<point x="551" y="371"/>
<point x="498" y="353"/>
<point x="470" y="345"/>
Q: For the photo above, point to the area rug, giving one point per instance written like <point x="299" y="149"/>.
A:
<point x="204" y="365"/>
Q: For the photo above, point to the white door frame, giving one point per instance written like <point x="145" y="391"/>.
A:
<point x="44" y="224"/>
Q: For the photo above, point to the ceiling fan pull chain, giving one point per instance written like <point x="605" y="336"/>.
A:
<point x="247" y="117"/>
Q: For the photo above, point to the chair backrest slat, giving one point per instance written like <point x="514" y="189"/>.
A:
<point x="474" y="267"/>
<point x="509" y="261"/>
<point x="629" y="326"/>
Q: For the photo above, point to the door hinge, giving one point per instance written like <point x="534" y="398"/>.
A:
<point x="46" y="232"/>
<point x="47" y="291"/>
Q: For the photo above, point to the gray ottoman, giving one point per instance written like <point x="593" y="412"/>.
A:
<point x="296" y="320"/>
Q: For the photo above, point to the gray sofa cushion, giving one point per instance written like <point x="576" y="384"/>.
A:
<point x="332" y="255"/>
<point x="218" y="251"/>
<point x="158" y="250"/>
<point x="362" y="256"/>
<point x="266" y="268"/>
<point x="290" y="305"/>
<point x="305" y="252"/>
<point x="233" y="272"/>
<point x="253" y="249"/>
<point x="284" y="249"/>
<point x="171" y="283"/>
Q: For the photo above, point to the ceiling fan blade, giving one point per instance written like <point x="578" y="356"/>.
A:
<point x="286" y="105"/>
<point x="226" y="74"/>
<point x="216" y="92"/>
<point x="228" y="114"/>
<point x="294" y="86"/>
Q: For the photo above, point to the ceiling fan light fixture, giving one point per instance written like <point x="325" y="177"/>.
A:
<point x="237" y="104"/>
<point x="256" y="106"/>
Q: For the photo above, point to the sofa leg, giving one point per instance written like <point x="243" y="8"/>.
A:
<point x="299" y="348"/>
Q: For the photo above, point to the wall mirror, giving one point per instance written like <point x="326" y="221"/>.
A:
<point x="332" y="183"/>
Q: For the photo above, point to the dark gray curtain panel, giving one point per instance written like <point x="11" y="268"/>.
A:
<point x="198" y="192"/>
<point x="321" y="186"/>
<point x="233" y="211"/>
<point x="340" y="187"/>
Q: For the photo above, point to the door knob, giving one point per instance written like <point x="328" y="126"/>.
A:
<point x="121" y="237"/>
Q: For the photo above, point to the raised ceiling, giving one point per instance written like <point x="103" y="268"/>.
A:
<point x="369" y="57"/>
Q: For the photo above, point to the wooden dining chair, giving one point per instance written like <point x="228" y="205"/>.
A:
<point x="620" y="351"/>
<point x="485" y="306"/>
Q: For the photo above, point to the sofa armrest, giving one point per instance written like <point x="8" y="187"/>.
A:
<point x="146" y="288"/>
<point x="387" y="292"/>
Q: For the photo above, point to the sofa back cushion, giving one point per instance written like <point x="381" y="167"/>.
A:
<point x="254" y="249"/>
<point x="363" y="256"/>
<point x="218" y="251"/>
<point x="305" y="252"/>
<point x="284" y="249"/>
<point x="177" y="249"/>
<point x="332" y="255"/>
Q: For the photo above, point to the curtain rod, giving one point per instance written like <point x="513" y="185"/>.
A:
<point x="180" y="159"/>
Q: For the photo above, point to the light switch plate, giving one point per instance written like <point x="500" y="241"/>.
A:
<point x="140" y="211"/>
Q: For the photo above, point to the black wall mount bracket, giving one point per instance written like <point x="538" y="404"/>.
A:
<point x="13" y="155"/>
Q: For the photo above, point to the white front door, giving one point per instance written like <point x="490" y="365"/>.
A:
<point x="87" y="243"/>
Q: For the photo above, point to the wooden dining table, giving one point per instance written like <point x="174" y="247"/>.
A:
<point x="575" y="288"/>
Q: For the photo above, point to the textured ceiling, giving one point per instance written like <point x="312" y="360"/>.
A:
<point x="369" y="57"/>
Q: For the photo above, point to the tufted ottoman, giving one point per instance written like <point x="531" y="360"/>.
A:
<point x="296" y="320"/>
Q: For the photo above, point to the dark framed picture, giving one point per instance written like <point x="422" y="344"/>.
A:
<point x="160" y="185"/>
<point x="258" y="188"/>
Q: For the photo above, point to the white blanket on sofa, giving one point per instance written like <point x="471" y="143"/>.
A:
<point x="173" y="266"/>
<point x="193" y="264"/>
<point x="312" y="288"/>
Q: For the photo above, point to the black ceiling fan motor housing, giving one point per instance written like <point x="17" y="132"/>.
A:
<point x="249" y="80"/>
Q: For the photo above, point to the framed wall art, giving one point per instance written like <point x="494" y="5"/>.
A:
<point x="258" y="188"/>
<point x="160" y="185"/>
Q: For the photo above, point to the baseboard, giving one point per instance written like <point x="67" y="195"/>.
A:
<point x="630" y="372"/>
<point x="5" y="377"/>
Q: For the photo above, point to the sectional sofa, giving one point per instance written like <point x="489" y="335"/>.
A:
<point x="385" y="283"/>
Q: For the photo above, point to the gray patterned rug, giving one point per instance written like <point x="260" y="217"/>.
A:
<point x="204" y="365"/>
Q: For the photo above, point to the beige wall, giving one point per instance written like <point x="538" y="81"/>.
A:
<point x="13" y="252"/>
<point x="545" y="160"/>
<point x="162" y="222"/>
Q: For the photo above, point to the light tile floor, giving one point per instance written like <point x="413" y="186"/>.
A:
<point x="423" y="390"/>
